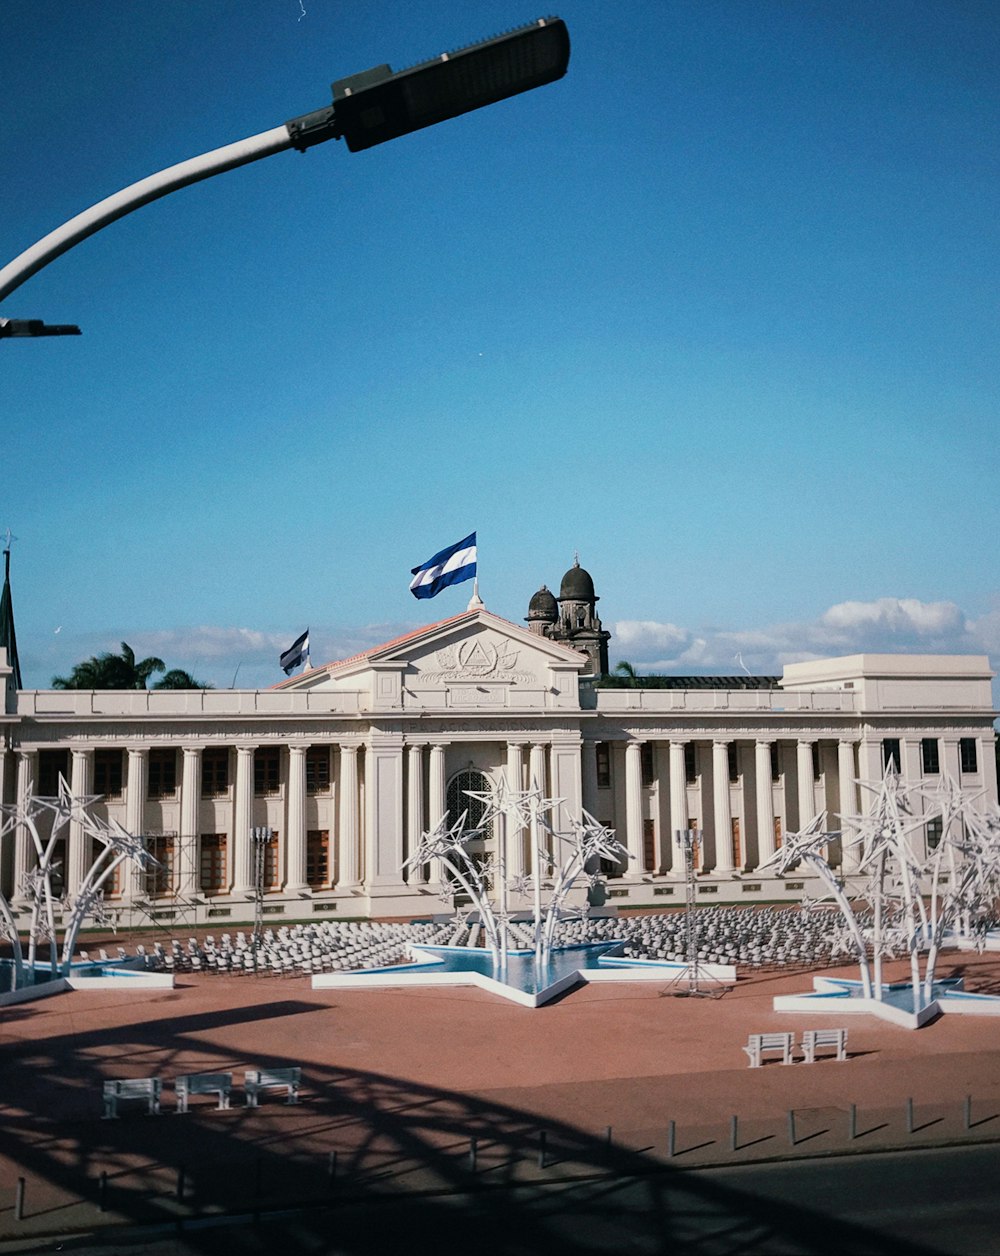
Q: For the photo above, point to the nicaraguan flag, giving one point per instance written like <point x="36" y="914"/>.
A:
<point x="296" y="653"/>
<point x="448" y="566"/>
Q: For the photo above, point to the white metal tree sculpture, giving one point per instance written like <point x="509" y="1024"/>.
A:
<point x="115" y="847"/>
<point x="809" y="847"/>
<point x="508" y="812"/>
<point x="915" y="899"/>
<point x="589" y="842"/>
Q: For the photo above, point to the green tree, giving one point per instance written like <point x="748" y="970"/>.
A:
<point x="177" y="678"/>
<point x="111" y="671"/>
<point x="624" y="668"/>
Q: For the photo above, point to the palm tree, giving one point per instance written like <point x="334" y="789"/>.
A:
<point x="624" y="668"/>
<point x="111" y="671"/>
<point x="177" y="678"/>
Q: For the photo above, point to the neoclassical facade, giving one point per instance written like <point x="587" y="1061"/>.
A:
<point x="320" y="787"/>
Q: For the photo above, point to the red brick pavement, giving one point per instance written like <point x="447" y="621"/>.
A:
<point x="397" y="1081"/>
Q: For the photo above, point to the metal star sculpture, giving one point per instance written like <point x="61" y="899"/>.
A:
<point x="115" y="846"/>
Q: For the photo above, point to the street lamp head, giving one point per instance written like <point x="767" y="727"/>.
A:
<point x="378" y="105"/>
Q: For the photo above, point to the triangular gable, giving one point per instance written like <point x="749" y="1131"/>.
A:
<point x="465" y="659"/>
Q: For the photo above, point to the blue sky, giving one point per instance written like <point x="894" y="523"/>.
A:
<point x="718" y="310"/>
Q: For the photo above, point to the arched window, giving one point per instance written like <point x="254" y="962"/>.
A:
<point x="459" y="800"/>
<point x="479" y="848"/>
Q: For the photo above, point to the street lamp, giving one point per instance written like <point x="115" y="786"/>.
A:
<point x="367" y="109"/>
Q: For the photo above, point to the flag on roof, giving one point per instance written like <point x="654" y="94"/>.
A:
<point x="7" y="637"/>
<point x="448" y="566"/>
<point x="297" y="652"/>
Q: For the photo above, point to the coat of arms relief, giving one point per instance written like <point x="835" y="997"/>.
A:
<point x="480" y="658"/>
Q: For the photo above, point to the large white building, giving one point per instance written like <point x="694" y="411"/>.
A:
<point x="346" y="764"/>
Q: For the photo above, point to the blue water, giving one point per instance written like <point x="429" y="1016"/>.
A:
<point x="521" y="972"/>
<point x="43" y="973"/>
<point x="897" y="994"/>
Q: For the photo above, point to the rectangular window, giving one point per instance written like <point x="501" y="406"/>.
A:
<point x="777" y="833"/>
<point x="967" y="754"/>
<point x="603" y="765"/>
<point x="690" y="763"/>
<point x="51" y="765"/>
<point x="737" y="841"/>
<point x="890" y="753"/>
<point x="816" y="761"/>
<point x="775" y="762"/>
<point x="266" y="770"/>
<point x="734" y="763"/>
<point x="317" y="769"/>
<point x="318" y="858"/>
<point x="646" y="760"/>
<point x="214" y="772"/>
<point x="162" y="773"/>
<point x="108" y="773"/>
<point x="934" y="829"/>
<point x="929" y="758"/>
<point x="160" y="877"/>
<point x="212" y="870"/>
<point x="649" y="845"/>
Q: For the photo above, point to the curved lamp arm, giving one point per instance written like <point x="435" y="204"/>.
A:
<point x="137" y="194"/>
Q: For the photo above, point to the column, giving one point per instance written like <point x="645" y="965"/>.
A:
<point x="516" y="863"/>
<point x="678" y="806"/>
<point x="437" y="805"/>
<point x="130" y="874"/>
<point x="565" y="781"/>
<point x="350" y="843"/>
<point x="188" y="838"/>
<point x="850" y="854"/>
<point x="805" y="782"/>
<point x="536" y="768"/>
<point x="414" y="805"/>
<point x="723" y="807"/>
<point x="633" y="808"/>
<point x="951" y="764"/>
<point x="384" y="812"/>
<point x="242" y="865"/>
<point x="870" y="766"/>
<point x="295" y="820"/>
<point x="25" y="855"/>
<point x="78" y="854"/>
<point x="765" y="802"/>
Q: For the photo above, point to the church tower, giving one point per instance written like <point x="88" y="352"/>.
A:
<point x="572" y="618"/>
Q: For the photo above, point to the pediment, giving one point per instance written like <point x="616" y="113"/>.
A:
<point x="473" y="653"/>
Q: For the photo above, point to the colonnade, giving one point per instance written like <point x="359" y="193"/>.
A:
<point x="388" y="787"/>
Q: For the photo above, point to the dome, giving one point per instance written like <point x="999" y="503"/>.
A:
<point x="577" y="585"/>
<point x="543" y="606"/>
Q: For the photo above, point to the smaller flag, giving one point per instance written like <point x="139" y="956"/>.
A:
<point x="297" y="652"/>
<point x="448" y="566"/>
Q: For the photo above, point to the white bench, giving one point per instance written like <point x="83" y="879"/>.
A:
<point x="189" y="1084"/>
<point x="814" y="1040"/>
<point x="147" y="1089"/>
<point x="760" y="1044"/>
<point x="256" y="1080"/>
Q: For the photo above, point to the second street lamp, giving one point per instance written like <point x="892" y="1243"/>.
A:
<point x="367" y="109"/>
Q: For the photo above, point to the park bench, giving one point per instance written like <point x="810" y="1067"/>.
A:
<point x="814" y="1040"/>
<point x="760" y="1044"/>
<point x="190" y="1084"/>
<point x="145" y="1088"/>
<point x="256" y="1080"/>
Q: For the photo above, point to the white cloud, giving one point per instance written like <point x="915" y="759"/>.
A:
<point x="884" y="625"/>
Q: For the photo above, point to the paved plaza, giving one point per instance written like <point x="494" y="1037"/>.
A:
<point x="422" y="1096"/>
